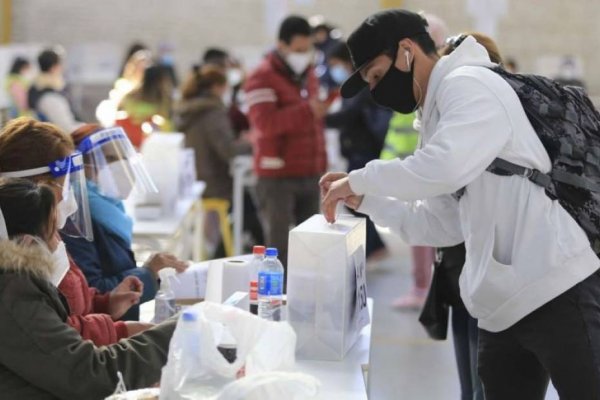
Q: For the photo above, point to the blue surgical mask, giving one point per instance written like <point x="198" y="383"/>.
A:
<point x="339" y="74"/>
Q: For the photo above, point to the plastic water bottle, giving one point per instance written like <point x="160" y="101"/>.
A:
<point x="270" y="287"/>
<point x="191" y="342"/>
<point x="164" y="302"/>
<point x="254" y="267"/>
<point x="187" y="349"/>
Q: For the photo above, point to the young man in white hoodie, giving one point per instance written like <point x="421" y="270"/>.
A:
<point x="530" y="277"/>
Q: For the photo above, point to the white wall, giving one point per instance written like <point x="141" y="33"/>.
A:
<point x="532" y="29"/>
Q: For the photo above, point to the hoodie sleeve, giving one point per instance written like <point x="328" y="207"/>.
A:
<point x="434" y="222"/>
<point x="472" y="131"/>
<point x="99" y="328"/>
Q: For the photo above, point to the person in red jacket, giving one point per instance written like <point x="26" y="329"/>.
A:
<point x="289" y="148"/>
<point x="26" y="144"/>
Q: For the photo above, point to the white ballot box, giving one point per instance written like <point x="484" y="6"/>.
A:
<point x="327" y="290"/>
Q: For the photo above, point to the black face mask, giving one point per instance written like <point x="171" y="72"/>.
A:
<point x="395" y="90"/>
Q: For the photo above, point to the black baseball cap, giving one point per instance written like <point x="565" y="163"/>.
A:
<point x="378" y="33"/>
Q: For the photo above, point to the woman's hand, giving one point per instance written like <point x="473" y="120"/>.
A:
<point x="124" y="296"/>
<point x="158" y="261"/>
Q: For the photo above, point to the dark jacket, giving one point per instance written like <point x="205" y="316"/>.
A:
<point x="290" y="142"/>
<point x="106" y="261"/>
<point x="207" y="127"/>
<point x="363" y="126"/>
<point x="42" y="357"/>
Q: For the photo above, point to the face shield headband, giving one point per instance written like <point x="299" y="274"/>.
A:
<point x="73" y="210"/>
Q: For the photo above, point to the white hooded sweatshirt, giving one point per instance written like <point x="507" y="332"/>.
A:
<point x="523" y="249"/>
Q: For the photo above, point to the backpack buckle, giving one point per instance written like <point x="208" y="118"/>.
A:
<point x="528" y="173"/>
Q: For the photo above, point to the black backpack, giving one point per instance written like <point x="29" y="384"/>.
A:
<point x="568" y="126"/>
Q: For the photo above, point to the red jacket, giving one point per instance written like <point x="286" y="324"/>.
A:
<point x="88" y="310"/>
<point x="290" y="140"/>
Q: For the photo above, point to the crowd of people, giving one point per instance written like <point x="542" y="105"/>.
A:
<point x="430" y="124"/>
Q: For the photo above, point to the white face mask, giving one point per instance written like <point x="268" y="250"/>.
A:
<point x="61" y="263"/>
<point x="66" y="207"/>
<point x="234" y="77"/>
<point x="299" y="62"/>
<point x="114" y="182"/>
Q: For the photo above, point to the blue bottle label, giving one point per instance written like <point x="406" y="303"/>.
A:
<point x="270" y="283"/>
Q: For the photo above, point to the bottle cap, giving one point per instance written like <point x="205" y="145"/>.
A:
<point x="253" y="284"/>
<point x="189" y="316"/>
<point x="258" y="250"/>
<point x="271" y="252"/>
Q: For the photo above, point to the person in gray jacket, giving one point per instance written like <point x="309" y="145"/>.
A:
<point x="41" y="356"/>
<point x="203" y="117"/>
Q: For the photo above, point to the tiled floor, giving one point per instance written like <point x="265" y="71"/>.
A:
<point x="405" y="364"/>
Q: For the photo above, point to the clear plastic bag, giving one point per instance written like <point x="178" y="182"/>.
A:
<point x="264" y="353"/>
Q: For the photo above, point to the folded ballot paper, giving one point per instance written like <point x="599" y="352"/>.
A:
<point x="327" y="289"/>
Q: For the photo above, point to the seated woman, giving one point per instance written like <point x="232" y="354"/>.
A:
<point x="43" y="154"/>
<point x="41" y="355"/>
<point x="113" y="170"/>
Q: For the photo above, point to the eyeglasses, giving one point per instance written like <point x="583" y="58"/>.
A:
<point x="455" y="41"/>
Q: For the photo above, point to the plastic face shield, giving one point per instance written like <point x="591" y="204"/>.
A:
<point x="69" y="173"/>
<point x="115" y="166"/>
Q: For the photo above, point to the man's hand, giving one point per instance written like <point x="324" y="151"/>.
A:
<point x="335" y="187"/>
<point x="327" y="179"/>
<point x="318" y="108"/>
<point x="135" y="327"/>
<point x="159" y="261"/>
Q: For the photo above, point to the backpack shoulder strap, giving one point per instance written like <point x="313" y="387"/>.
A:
<point x="506" y="168"/>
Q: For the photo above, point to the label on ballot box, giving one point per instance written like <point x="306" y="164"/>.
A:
<point x="327" y="290"/>
<point x="361" y="311"/>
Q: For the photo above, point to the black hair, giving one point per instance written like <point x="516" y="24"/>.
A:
<point x="27" y="207"/>
<point x="131" y="50"/>
<point x="17" y="65"/>
<point x="340" y="51"/>
<point x="425" y="42"/>
<point x="134" y="48"/>
<point x="214" y="55"/>
<point x="323" y="27"/>
<point x="293" y="25"/>
<point x="48" y="59"/>
<point x="151" y="87"/>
